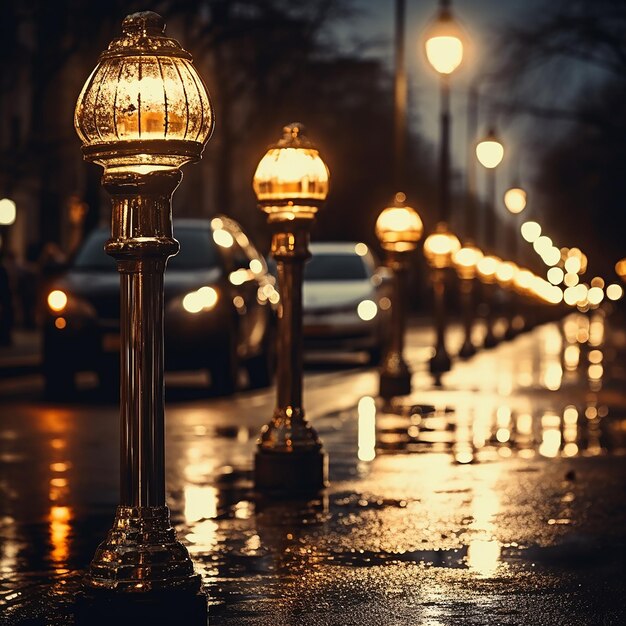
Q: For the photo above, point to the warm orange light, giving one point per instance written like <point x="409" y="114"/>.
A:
<point x="515" y="200"/>
<point x="444" y="43"/>
<point x="531" y="231"/>
<point x="399" y="227"/>
<point x="542" y="244"/>
<point x="555" y="275"/>
<point x="505" y="273"/>
<point x="523" y="280"/>
<point x="466" y="259"/>
<point x="490" y="151"/>
<point x="620" y="269"/>
<point x="57" y="300"/>
<point x="291" y="180"/>
<point x="487" y="268"/>
<point x="440" y="247"/>
<point x="614" y="292"/>
<point x="8" y="212"/>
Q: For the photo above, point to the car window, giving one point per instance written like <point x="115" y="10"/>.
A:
<point x="197" y="251"/>
<point x="335" y="267"/>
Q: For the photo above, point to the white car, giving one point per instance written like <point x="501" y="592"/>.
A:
<point x="345" y="299"/>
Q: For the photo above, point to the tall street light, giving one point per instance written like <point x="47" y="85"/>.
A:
<point x="439" y="250"/>
<point x="291" y="183"/>
<point x="490" y="153"/>
<point x="142" y="114"/>
<point x="443" y="44"/>
<point x="398" y="228"/>
<point x="515" y="200"/>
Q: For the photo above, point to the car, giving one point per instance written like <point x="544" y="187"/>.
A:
<point x="345" y="299"/>
<point x="220" y="302"/>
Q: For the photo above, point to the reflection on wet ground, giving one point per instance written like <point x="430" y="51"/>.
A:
<point x="499" y="499"/>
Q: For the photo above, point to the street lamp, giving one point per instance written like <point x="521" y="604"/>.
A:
<point x="490" y="153"/>
<point x="443" y="43"/>
<point x="465" y="262"/>
<point x="398" y="228"/>
<point x="291" y="184"/>
<point x="8" y="213"/>
<point x="142" y="114"/>
<point x="515" y="200"/>
<point x="439" y="250"/>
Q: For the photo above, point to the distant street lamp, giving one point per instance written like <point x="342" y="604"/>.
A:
<point x="439" y="250"/>
<point x="490" y="152"/>
<point x="291" y="184"/>
<point x="515" y="200"/>
<point x="398" y="228"/>
<point x="8" y="213"/>
<point x="142" y="114"/>
<point x="443" y="43"/>
<point x="466" y="263"/>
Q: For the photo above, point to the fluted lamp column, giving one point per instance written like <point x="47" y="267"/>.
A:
<point x="291" y="184"/>
<point x="465" y="262"/>
<point x="439" y="250"/>
<point x="398" y="228"/>
<point x="142" y="114"/>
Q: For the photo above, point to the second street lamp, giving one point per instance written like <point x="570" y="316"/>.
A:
<point x="439" y="250"/>
<point x="142" y="114"/>
<point x="291" y="184"/>
<point x="398" y="228"/>
<point x="489" y="153"/>
<point x="466" y="262"/>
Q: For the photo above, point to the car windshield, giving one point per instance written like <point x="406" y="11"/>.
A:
<point x="322" y="267"/>
<point x="197" y="251"/>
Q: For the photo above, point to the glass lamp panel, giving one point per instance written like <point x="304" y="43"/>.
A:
<point x="444" y="53"/>
<point x="490" y="153"/>
<point x="399" y="228"/>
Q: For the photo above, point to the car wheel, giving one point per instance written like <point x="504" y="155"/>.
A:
<point x="262" y="367"/>
<point x="225" y="369"/>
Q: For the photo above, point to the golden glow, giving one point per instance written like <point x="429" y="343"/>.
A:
<point x="551" y="256"/>
<point x="223" y="238"/>
<point x="361" y="249"/>
<point x="515" y="200"/>
<point x="542" y="244"/>
<point x="144" y="92"/>
<point x="531" y="231"/>
<point x="595" y="295"/>
<point x="614" y="292"/>
<point x="8" y="212"/>
<point x="399" y="228"/>
<point x="240" y="276"/>
<point x="256" y="266"/>
<point x="60" y="323"/>
<point x="597" y="281"/>
<point x="59" y="523"/>
<point x="571" y="280"/>
<point x="444" y="53"/>
<point x="490" y="151"/>
<point x="466" y="259"/>
<point x="555" y="275"/>
<point x="200" y="503"/>
<point x="620" y="268"/>
<point x="483" y="556"/>
<point x="573" y="264"/>
<point x="57" y="300"/>
<point x="523" y="280"/>
<point x="505" y="273"/>
<point x="487" y="268"/>
<point x="204" y="299"/>
<point x="440" y="247"/>
<point x="367" y="310"/>
<point x="367" y="429"/>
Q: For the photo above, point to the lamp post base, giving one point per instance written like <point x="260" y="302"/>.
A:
<point x="395" y="384"/>
<point x="104" y="608"/>
<point x="467" y="350"/>
<point x="278" y="473"/>
<point x="440" y="362"/>
<point x="491" y="341"/>
<point x="141" y="555"/>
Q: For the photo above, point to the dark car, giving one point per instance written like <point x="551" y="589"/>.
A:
<point x="219" y="310"/>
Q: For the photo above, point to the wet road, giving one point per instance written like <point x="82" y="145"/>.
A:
<point x="504" y="503"/>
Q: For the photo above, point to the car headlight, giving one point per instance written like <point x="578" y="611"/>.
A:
<point x="57" y="301"/>
<point x="204" y="299"/>
<point x="367" y="310"/>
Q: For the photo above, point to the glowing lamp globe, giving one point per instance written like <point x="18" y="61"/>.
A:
<point x="144" y="107"/>
<point x="531" y="231"/>
<point x="399" y="227"/>
<point x="443" y="42"/>
<point x="440" y="247"/>
<point x="487" y="268"/>
<point x="490" y="151"/>
<point x="291" y="180"/>
<point x="466" y="260"/>
<point x="8" y="212"/>
<point x="523" y="281"/>
<point x="515" y="200"/>
<point x="505" y="273"/>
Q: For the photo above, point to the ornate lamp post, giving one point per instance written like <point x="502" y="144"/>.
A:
<point x="465" y="262"/>
<point x="515" y="202"/>
<point x="291" y="184"/>
<point x="439" y="250"/>
<point x="142" y="114"/>
<point x="444" y="50"/>
<point x="398" y="228"/>
<point x="490" y="153"/>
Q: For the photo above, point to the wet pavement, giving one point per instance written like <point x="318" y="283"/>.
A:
<point x="497" y="498"/>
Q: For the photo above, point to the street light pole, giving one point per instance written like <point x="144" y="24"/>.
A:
<point x="142" y="137"/>
<point x="400" y="98"/>
<point x="291" y="184"/>
<point x="398" y="228"/>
